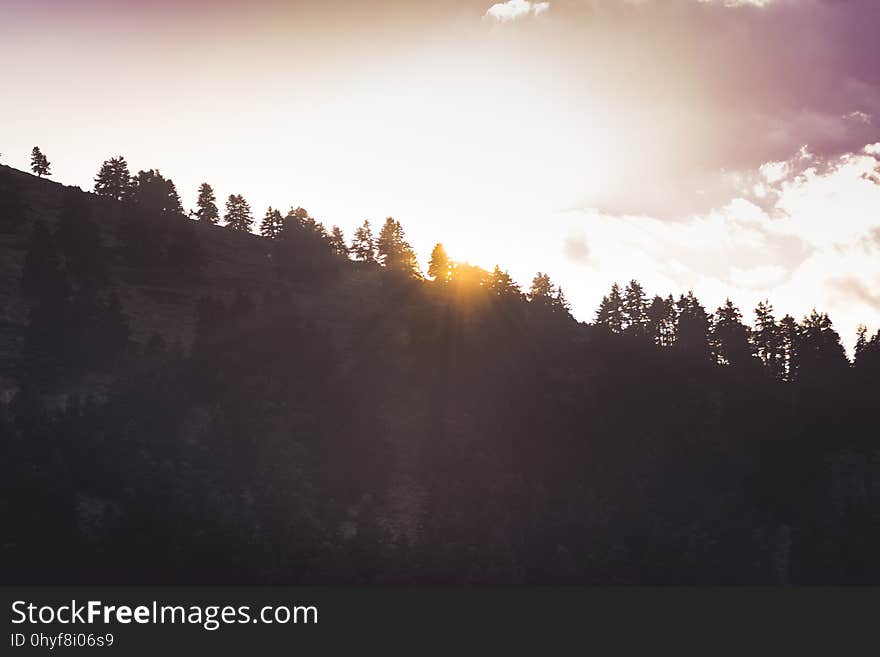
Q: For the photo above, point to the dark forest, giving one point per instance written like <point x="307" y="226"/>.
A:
<point x="185" y="401"/>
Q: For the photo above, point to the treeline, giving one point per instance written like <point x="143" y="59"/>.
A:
<point x="788" y="350"/>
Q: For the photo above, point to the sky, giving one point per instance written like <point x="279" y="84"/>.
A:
<point x="730" y="147"/>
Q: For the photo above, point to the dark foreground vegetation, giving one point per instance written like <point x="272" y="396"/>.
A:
<point x="189" y="403"/>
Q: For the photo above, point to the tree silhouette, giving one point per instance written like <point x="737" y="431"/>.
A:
<point x="271" y="225"/>
<point x="692" y="328"/>
<point x="730" y="337"/>
<point x="543" y="293"/>
<point x="821" y="359"/>
<point x="238" y="213"/>
<point x="113" y="179"/>
<point x="439" y="266"/>
<point x="154" y="195"/>
<point x="337" y="242"/>
<point x="635" y="311"/>
<point x="207" y="204"/>
<point x="39" y="163"/>
<point x="767" y="341"/>
<point x="393" y="251"/>
<point x="788" y="339"/>
<point x="363" y="245"/>
<point x="502" y="285"/>
<point x="867" y="354"/>
<point x="610" y="312"/>
<point x="661" y="318"/>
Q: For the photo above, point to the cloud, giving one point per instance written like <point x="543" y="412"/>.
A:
<point x="813" y="240"/>
<point x="513" y="9"/>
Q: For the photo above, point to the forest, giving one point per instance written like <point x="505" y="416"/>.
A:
<point x="299" y="408"/>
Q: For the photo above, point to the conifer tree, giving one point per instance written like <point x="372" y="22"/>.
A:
<point x="767" y="340"/>
<point x="271" y="225"/>
<point x="363" y="245"/>
<point x="440" y="267"/>
<point x="502" y="285"/>
<point x="730" y="337"/>
<point x="155" y="195"/>
<point x="207" y="205"/>
<point x="692" y="327"/>
<point x="39" y="163"/>
<point x="610" y="313"/>
<point x="113" y="179"/>
<point x="635" y="312"/>
<point x="337" y="242"/>
<point x="393" y="251"/>
<point x="238" y="213"/>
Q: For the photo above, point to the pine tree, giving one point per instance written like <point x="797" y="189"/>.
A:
<point x="39" y="163"/>
<point x="337" y="242"/>
<point x="363" y="245"/>
<point x="544" y="293"/>
<point x="767" y="340"/>
<point x="821" y="359"/>
<point x="113" y="179"/>
<point x="610" y="313"/>
<point x="440" y="267"/>
<point x="502" y="285"/>
<point x="207" y="205"/>
<point x="238" y="213"/>
<point x="393" y="251"/>
<point x="155" y="195"/>
<point x="271" y="225"/>
<point x="788" y="339"/>
<point x="635" y="312"/>
<point x="730" y="337"/>
<point x="692" y="327"/>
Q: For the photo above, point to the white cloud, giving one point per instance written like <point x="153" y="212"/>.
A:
<point x="513" y="9"/>
<point x="813" y="241"/>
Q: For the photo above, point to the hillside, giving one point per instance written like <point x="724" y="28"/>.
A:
<point x="220" y="407"/>
<point x="159" y="299"/>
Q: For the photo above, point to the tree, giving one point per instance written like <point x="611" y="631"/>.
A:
<point x="207" y="204"/>
<point x="692" y="327"/>
<point x="730" y="337"/>
<point x="113" y="179"/>
<point x="272" y="223"/>
<point x="238" y="213"/>
<point x="155" y="195"/>
<point x="440" y="266"/>
<point x="502" y="285"/>
<point x="543" y="293"/>
<point x="788" y="339"/>
<point x="393" y="251"/>
<point x="363" y="245"/>
<point x="337" y="242"/>
<point x="820" y="356"/>
<point x="635" y="312"/>
<point x="767" y="343"/>
<point x="661" y="321"/>
<point x="867" y="355"/>
<point x="39" y="163"/>
<point x="610" y="312"/>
